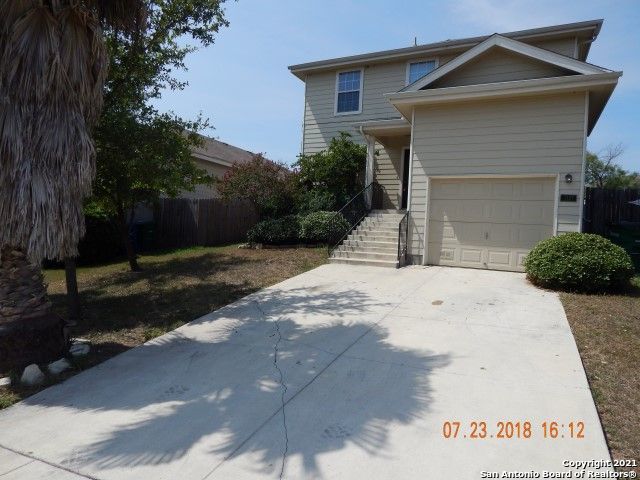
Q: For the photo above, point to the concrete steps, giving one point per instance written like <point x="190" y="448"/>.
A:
<point x="374" y="242"/>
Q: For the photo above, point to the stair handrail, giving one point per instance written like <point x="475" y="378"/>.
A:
<point x="372" y="187"/>
<point x="403" y="227"/>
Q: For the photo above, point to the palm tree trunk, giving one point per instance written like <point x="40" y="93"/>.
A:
<point x="73" y="298"/>
<point x="126" y="241"/>
<point x="30" y="332"/>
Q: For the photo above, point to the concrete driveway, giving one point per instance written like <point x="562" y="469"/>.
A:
<point x="340" y="373"/>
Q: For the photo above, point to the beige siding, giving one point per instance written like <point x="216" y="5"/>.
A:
<point x="205" y="191"/>
<point x="563" y="46"/>
<point x="388" y="168"/>
<point x="498" y="65"/>
<point x="320" y="123"/>
<point x="532" y="135"/>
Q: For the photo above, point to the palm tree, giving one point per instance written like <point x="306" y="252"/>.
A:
<point x="53" y="65"/>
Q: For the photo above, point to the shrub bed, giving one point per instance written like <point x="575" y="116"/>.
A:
<point x="579" y="262"/>
<point x="322" y="227"/>
<point x="314" y="228"/>
<point x="278" y="231"/>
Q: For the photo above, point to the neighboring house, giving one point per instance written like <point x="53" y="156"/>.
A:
<point x="216" y="158"/>
<point x="482" y="139"/>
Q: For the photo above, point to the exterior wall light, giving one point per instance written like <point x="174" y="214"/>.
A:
<point x="568" y="178"/>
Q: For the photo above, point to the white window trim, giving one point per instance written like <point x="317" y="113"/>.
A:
<point x="419" y="60"/>
<point x="335" y="102"/>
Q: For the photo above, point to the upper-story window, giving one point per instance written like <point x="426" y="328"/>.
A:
<point x="349" y="92"/>
<point x="417" y="70"/>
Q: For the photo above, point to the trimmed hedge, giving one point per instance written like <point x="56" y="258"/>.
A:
<point x="579" y="262"/>
<point x="316" y="227"/>
<point x="322" y="227"/>
<point x="279" y="231"/>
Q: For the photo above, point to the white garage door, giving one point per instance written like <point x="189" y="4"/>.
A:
<point x="488" y="223"/>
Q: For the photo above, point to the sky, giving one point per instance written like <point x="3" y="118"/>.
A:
<point x="242" y="84"/>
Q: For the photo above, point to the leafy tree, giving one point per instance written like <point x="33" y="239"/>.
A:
<point x="141" y="157"/>
<point x="143" y="154"/>
<point x="51" y="87"/>
<point x="603" y="171"/>
<point x="269" y="186"/>
<point x="331" y="176"/>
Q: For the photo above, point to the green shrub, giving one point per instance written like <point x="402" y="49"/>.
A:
<point x="579" y="262"/>
<point x="316" y="200"/>
<point x="279" y="231"/>
<point x="322" y="227"/>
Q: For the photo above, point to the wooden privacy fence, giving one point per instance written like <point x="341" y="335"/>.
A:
<point x="604" y="207"/>
<point x="183" y="222"/>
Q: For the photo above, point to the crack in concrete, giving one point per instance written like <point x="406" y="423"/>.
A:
<point x="284" y="391"/>
<point x="282" y="385"/>
<point x="16" y="468"/>
<point x="34" y="458"/>
<point x="318" y="374"/>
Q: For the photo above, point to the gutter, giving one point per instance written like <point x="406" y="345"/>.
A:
<point x="519" y="87"/>
<point x="209" y="159"/>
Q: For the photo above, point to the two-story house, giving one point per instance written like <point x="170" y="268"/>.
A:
<point x="480" y="140"/>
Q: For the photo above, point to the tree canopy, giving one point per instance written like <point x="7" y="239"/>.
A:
<point x="330" y="177"/>
<point x="269" y="186"/>
<point x="603" y="171"/>
<point x="142" y="153"/>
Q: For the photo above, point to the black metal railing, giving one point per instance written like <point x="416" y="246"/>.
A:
<point x="403" y="239"/>
<point x="355" y="210"/>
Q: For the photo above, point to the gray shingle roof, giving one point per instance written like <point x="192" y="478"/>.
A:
<point x="213" y="150"/>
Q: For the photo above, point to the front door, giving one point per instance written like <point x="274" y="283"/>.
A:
<point x="405" y="178"/>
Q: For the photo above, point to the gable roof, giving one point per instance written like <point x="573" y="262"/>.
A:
<point x="222" y="153"/>
<point x="497" y="40"/>
<point x="587" y="31"/>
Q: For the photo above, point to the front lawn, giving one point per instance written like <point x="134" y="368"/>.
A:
<point x="607" y="331"/>
<point x="124" y="309"/>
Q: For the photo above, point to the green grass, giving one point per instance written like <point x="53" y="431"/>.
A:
<point x="123" y="309"/>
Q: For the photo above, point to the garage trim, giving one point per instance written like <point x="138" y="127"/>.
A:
<point x="427" y="210"/>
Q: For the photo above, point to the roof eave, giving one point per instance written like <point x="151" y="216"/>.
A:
<point x="516" y="46"/>
<point x="404" y="102"/>
<point x="209" y="158"/>
<point x="300" y="70"/>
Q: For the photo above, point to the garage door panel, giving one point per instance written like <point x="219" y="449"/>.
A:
<point x="538" y="212"/>
<point x="477" y="257"/>
<point x="456" y="255"/>
<point x="488" y="234"/>
<point x="529" y="235"/>
<point x="492" y="189"/>
<point x="488" y="223"/>
<point x="457" y="233"/>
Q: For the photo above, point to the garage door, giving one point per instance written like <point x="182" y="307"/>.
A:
<point x="488" y="223"/>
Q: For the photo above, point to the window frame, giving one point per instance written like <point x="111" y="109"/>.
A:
<point x="360" y="92"/>
<point x="419" y="60"/>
